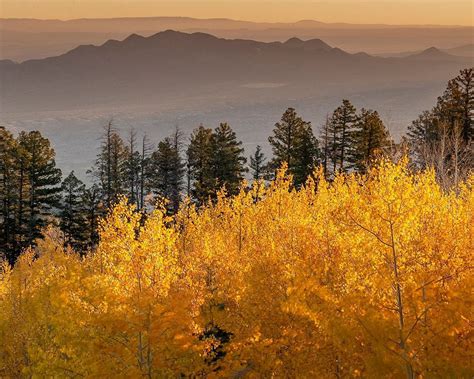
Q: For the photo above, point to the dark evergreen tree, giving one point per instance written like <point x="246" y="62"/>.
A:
<point x="325" y="136"/>
<point x="43" y="183"/>
<point x="72" y="213"/>
<point x="293" y="142"/>
<point x="307" y="154"/>
<point x="110" y="168"/>
<point x="133" y="163"/>
<point x="93" y="209"/>
<point x="370" y="139"/>
<point x="144" y="168"/>
<point x="8" y="193"/>
<point x="443" y="137"/>
<point x="456" y="106"/>
<point x="341" y="131"/>
<point x="166" y="170"/>
<point x="228" y="161"/>
<point x="200" y="165"/>
<point x="257" y="164"/>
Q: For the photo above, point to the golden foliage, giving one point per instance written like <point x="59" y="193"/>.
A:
<point x="367" y="276"/>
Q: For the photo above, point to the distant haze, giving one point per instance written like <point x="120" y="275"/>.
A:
<point x="446" y="12"/>
<point x="171" y="78"/>
<point x="22" y="39"/>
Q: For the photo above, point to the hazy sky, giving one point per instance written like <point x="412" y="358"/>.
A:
<point x="446" y="12"/>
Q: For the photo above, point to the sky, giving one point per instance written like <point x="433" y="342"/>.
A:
<point x="442" y="12"/>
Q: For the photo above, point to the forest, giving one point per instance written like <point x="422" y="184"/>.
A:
<point x="344" y="254"/>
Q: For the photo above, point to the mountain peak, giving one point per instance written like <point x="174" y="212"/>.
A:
<point x="311" y="44"/>
<point x="294" y="41"/>
<point x="431" y="53"/>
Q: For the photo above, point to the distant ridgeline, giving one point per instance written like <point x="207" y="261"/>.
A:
<point x="33" y="194"/>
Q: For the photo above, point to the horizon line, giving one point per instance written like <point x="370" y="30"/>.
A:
<point x="236" y="20"/>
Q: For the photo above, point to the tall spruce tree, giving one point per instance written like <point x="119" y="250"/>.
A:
<point x="325" y="136"/>
<point x="72" y="215"/>
<point x="307" y="154"/>
<point x="145" y="160"/>
<point x="341" y="141"/>
<point x="8" y="193"/>
<point x="293" y="142"/>
<point x="166" y="170"/>
<point x="257" y="164"/>
<point x="132" y="168"/>
<point x="370" y="139"/>
<point x="110" y="168"/>
<point x="43" y="183"/>
<point x="455" y="108"/>
<point x="93" y="208"/>
<point x="450" y="120"/>
<point x="200" y="165"/>
<point x="443" y="137"/>
<point x="228" y="159"/>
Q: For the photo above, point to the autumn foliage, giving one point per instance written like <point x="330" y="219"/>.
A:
<point x="367" y="276"/>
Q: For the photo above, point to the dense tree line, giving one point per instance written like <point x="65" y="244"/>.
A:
<point x="32" y="195"/>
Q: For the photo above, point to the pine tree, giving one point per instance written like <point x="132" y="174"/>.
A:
<point x="44" y="179"/>
<point x="293" y="142"/>
<point x="144" y="168"/>
<point x="93" y="209"/>
<point x="325" y="143"/>
<point x="166" y="170"/>
<point x="110" y="168"/>
<point x="8" y="193"/>
<point x="200" y="169"/>
<point x="72" y="212"/>
<point x="228" y="160"/>
<point x="133" y="169"/>
<point x="456" y="106"/>
<point x="341" y="131"/>
<point x="257" y="164"/>
<point x="442" y="138"/>
<point x="307" y="154"/>
<point x="371" y="138"/>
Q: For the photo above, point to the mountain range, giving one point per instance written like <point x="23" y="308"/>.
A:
<point x="169" y="78"/>
<point x="23" y="39"/>
<point x="143" y="70"/>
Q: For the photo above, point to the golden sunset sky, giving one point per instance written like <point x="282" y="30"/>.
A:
<point x="443" y="12"/>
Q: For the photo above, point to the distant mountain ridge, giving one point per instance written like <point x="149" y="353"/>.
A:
<point x="24" y="39"/>
<point x="458" y="51"/>
<point x="173" y="64"/>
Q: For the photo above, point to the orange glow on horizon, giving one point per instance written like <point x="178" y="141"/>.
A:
<point x="419" y="12"/>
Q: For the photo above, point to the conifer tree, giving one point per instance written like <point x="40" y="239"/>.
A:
<point x="43" y="182"/>
<point x="200" y="168"/>
<point x="456" y="106"/>
<point x="93" y="209"/>
<point x="293" y="142"/>
<point x="144" y="167"/>
<point x="72" y="212"/>
<point x="442" y="138"/>
<point x="307" y="154"/>
<point x="133" y="169"/>
<point x="228" y="160"/>
<point x="325" y="143"/>
<point x="167" y="170"/>
<point x="110" y="168"/>
<point x="257" y="164"/>
<point x="8" y="192"/>
<point x="341" y="131"/>
<point x="371" y="138"/>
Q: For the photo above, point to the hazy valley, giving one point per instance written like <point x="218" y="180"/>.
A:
<point x="178" y="79"/>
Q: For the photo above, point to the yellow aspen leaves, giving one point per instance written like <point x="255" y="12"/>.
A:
<point x="365" y="276"/>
